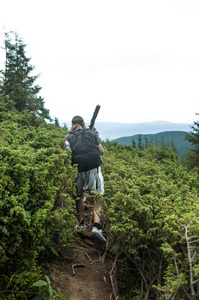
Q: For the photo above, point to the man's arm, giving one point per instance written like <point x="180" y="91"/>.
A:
<point x="101" y="149"/>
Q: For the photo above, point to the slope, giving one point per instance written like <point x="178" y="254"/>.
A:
<point x="177" y="137"/>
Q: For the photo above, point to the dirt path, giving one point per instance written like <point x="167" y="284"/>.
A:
<point x="87" y="275"/>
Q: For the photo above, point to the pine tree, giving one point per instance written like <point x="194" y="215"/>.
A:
<point x="65" y="126"/>
<point x="140" y="144"/>
<point x="146" y="142"/>
<point x="193" y="138"/>
<point x="18" y="84"/>
<point x="56" y="122"/>
<point x="133" y="144"/>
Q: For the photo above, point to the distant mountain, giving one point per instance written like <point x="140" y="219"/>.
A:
<point x="178" y="138"/>
<point x="109" y="131"/>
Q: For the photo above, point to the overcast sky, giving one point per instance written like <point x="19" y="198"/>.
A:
<point x="138" y="59"/>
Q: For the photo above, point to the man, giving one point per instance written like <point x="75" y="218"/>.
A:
<point x="86" y="150"/>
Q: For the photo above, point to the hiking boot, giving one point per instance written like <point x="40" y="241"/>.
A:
<point x="98" y="234"/>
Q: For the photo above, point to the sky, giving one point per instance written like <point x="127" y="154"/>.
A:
<point x="137" y="59"/>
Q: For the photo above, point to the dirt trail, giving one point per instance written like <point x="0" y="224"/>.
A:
<point x="87" y="275"/>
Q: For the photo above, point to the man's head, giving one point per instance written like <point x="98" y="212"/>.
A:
<point x="78" y="120"/>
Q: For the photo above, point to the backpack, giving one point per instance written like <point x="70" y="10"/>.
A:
<point x="85" y="151"/>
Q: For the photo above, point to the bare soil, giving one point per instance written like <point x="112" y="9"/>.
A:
<point x="85" y="277"/>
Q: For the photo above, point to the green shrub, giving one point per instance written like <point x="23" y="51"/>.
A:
<point x="36" y="199"/>
<point x="150" y="199"/>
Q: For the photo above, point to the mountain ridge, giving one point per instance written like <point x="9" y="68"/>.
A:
<point x="114" y="130"/>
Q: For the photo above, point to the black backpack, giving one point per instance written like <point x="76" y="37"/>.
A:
<point x="85" y="152"/>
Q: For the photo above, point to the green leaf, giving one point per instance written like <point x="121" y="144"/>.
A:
<point x="40" y="283"/>
<point x="54" y="251"/>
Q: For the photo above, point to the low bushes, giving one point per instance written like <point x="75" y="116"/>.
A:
<point x="36" y="201"/>
<point x="152" y="213"/>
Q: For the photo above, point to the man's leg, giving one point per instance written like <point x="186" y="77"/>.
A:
<point x="80" y="209"/>
<point x="96" y="227"/>
<point x="96" y="214"/>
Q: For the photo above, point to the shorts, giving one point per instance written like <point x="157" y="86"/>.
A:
<point x="91" y="181"/>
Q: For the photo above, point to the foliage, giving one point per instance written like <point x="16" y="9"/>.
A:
<point x="36" y="192"/>
<point x="150" y="200"/>
<point x="151" y="211"/>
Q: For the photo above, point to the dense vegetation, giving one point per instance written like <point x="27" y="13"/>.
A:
<point x="150" y="208"/>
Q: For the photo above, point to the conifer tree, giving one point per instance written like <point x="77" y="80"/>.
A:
<point x="193" y="138"/>
<point x="146" y="142"/>
<point x="133" y="144"/>
<point x="56" y="122"/>
<point x="140" y="144"/>
<point x="17" y="83"/>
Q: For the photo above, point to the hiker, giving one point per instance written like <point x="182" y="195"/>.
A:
<point x="86" y="150"/>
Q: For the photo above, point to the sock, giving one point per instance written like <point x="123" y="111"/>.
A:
<point x="97" y="225"/>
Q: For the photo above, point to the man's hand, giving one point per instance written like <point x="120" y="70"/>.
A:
<point x="67" y="148"/>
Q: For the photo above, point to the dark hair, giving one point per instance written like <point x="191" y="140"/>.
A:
<point x="78" y="120"/>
